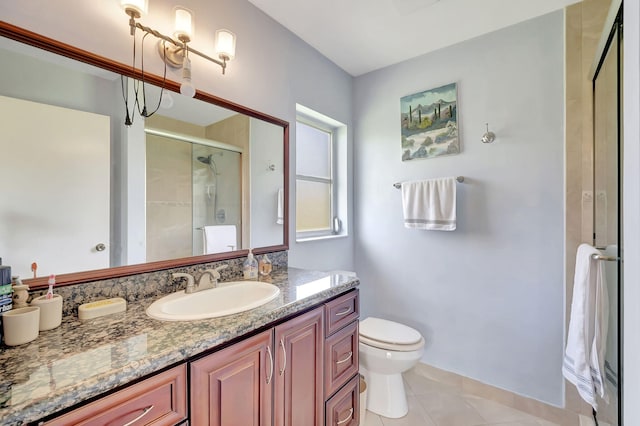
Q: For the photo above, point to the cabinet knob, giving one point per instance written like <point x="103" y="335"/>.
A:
<point x="100" y="247"/>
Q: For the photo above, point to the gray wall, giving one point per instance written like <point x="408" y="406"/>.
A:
<point x="273" y="70"/>
<point x="488" y="297"/>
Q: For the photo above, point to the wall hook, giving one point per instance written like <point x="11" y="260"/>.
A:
<point x="488" y="137"/>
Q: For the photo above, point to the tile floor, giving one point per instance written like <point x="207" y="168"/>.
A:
<point x="435" y="404"/>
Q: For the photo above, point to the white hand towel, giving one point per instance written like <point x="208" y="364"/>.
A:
<point x="280" y="212"/>
<point x="586" y="341"/>
<point x="430" y="204"/>
<point x="219" y="238"/>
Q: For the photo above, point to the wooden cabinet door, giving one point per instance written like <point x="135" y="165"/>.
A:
<point x="233" y="387"/>
<point x="299" y="345"/>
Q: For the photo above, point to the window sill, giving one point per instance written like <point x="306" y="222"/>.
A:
<point x="321" y="237"/>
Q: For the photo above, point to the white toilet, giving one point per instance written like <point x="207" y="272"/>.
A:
<point x="387" y="349"/>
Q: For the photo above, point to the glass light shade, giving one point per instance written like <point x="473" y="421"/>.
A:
<point x="140" y="6"/>
<point x="183" y="25"/>
<point x="225" y="44"/>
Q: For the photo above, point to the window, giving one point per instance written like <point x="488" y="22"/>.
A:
<point x="316" y="197"/>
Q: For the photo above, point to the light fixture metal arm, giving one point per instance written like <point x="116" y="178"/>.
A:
<point x="177" y="43"/>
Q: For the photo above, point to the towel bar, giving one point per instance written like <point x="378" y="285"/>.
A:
<point x="606" y="258"/>
<point x="398" y="185"/>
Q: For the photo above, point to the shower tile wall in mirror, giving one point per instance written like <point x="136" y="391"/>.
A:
<point x="84" y="192"/>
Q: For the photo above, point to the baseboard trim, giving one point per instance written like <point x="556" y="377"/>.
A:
<point x="467" y="385"/>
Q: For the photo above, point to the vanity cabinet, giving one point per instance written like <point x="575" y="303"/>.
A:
<point x="160" y="400"/>
<point x="302" y="372"/>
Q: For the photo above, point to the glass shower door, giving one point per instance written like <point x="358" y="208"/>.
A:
<point x="217" y="200"/>
<point x="190" y="188"/>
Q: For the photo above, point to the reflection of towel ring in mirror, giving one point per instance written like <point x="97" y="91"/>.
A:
<point x="488" y="137"/>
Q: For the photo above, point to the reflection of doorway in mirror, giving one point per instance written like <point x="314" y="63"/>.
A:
<point x="55" y="188"/>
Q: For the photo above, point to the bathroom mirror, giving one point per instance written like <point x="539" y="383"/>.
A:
<point x="88" y="198"/>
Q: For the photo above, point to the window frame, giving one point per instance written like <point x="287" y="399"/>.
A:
<point x="334" y="221"/>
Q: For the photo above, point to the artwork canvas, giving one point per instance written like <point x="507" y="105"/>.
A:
<point x="429" y="123"/>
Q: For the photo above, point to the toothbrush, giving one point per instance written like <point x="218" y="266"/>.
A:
<point x="52" y="281"/>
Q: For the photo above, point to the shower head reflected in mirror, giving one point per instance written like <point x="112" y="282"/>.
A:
<point x="209" y="161"/>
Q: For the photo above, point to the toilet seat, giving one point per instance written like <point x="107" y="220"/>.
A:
<point x="385" y="334"/>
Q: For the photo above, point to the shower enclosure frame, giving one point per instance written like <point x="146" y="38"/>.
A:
<point x="612" y="42"/>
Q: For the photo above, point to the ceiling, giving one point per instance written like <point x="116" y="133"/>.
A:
<point x="364" y="35"/>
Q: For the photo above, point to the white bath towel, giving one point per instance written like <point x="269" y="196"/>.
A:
<point x="280" y="212"/>
<point x="219" y="238"/>
<point x="586" y="341"/>
<point x="430" y="204"/>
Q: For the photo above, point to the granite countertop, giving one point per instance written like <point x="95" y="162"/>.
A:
<point x="80" y="360"/>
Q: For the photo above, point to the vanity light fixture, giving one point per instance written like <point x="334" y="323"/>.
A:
<point x="225" y="39"/>
<point x="173" y="51"/>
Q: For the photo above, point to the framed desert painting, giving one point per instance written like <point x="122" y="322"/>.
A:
<point x="429" y="123"/>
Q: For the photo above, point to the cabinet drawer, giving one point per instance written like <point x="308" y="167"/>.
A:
<point x="340" y="358"/>
<point x="161" y="400"/>
<point x="341" y="311"/>
<point x="343" y="409"/>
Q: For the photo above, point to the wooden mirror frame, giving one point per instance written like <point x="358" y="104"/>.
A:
<point x="36" y="40"/>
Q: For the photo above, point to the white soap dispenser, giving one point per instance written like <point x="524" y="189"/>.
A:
<point x="250" y="267"/>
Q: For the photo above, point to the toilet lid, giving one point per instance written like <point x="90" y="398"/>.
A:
<point x="385" y="331"/>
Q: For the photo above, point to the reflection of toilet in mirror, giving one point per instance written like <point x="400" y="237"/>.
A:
<point x="387" y="349"/>
<point x="219" y="238"/>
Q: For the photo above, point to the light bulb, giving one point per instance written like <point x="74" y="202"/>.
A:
<point x="186" y="88"/>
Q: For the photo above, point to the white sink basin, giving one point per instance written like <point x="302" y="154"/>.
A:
<point x="226" y="299"/>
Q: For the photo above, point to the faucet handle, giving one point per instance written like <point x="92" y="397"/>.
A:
<point x="221" y="267"/>
<point x="190" y="280"/>
<point x="214" y="273"/>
